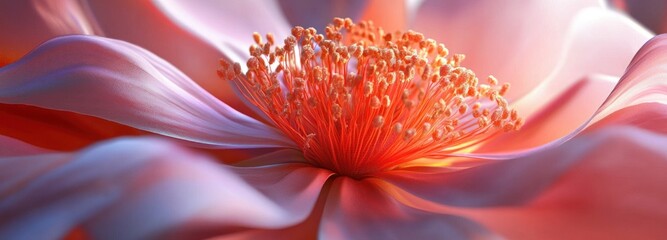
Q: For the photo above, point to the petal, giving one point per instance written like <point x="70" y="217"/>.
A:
<point x="608" y="184"/>
<point x="29" y="23"/>
<point x="643" y="81"/>
<point x="649" y="116"/>
<point x="590" y="36"/>
<point x="360" y="210"/>
<point x="319" y="14"/>
<point x="566" y="113"/>
<point x="277" y="157"/>
<point x="228" y="25"/>
<point x="143" y="23"/>
<point x="58" y="130"/>
<point x="562" y="116"/>
<point x="146" y="188"/>
<point x="120" y="82"/>
<point x="294" y="185"/>
<point x="13" y="147"/>
<point x="390" y="15"/>
<point x="498" y="38"/>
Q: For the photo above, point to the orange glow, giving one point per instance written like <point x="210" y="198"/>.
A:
<point x="359" y="100"/>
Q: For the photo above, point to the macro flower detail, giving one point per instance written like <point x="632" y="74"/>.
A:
<point x="119" y="121"/>
<point x="373" y="104"/>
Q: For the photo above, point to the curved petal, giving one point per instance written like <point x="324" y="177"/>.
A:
<point x="594" y="33"/>
<point x="26" y="24"/>
<point x="277" y="157"/>
<point x="560" y="117"/>
<point x="649" y="116"/>
<point x="120" y="82"/>
<point x="13" y="147"/>
<point x="143" y="23"/>
<point x="295" y="185"/>
<point x="360" y="210"/>
<point x="607" y="184"/>
<point x="643" y="81"/>
<point x="146" y="188"/>
<point x="318" y="14"/>
<point x="228" y="25"/>
<point x="139" y="22"/>
<point x="525" y="52"/>
<point x="57" y="130"/>
<point x="391" y="15"/>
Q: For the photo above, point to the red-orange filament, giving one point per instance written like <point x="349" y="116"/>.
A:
<point x="361" y="100"/>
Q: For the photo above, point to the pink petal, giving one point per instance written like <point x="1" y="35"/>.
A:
<point x="143" y="23"/>
<point x="360" y="210"/>
<point x="12" y="147"/>
<point x="589" y="40"/>
<point x="58" y="130"/>
<point x="147" y="188"/>
<point x="277" y="157"/>
<point x="560" y="117"/>
<point x="606" y="185"/>
<point x="139" y="22"/>
<point x="120" y="82"/>
<point x="389" y="14"/>
<point x="643" y="81"/>
<point x="26" y="24"/>
<point x="228" y="25"/>
<point x="294" y="185"/>
<point x="498" y="40"/>
<point x="318" y="14"/>
<point x="649" y="116"/>
<point x="566" y="115"/>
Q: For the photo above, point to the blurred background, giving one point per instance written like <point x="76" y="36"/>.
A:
<point x="651" y="13"/>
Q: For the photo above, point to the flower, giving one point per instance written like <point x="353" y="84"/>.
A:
<point x="587" y="163"/>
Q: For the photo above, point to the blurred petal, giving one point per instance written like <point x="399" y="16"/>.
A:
<point x="572" y="111"/>
<point x="13" y="147"/>
<point x="389" y="14"/>
<point x="139" y="22"/>
<point x="228" y="25"/>
<point x="359" y="210"/>
<point x="26" y="24"/>
<point x="294" y="185"/>
<point x="649" y="116"/>
<point x="524" y="53"/>
<point x="560" y="117"/>
<point x="145" y="188"/>
<point x="120" y="82"/>
<point x="277" y="157"/>
<point x="643" y="81"/>
<point x="594" y="33"/>
<point x="144" y="24"/>
<point x="57" y="130"/>
<point x="606" y="185"/>
<point x="318" y="14"/>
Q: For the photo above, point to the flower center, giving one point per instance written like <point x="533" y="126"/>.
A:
<point x="358" y="100"/>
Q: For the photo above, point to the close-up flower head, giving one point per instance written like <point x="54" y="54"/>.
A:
<point x="369" y="119"/>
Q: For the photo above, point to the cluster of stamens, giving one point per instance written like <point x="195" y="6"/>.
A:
<point x="367" y="100"/>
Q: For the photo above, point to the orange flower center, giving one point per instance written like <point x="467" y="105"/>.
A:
<point x="358" y="100"/>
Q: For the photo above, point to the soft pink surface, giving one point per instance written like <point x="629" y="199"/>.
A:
<point x="120" y="82"/>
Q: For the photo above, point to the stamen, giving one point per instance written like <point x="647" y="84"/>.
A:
<point x="358" y="100"/>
